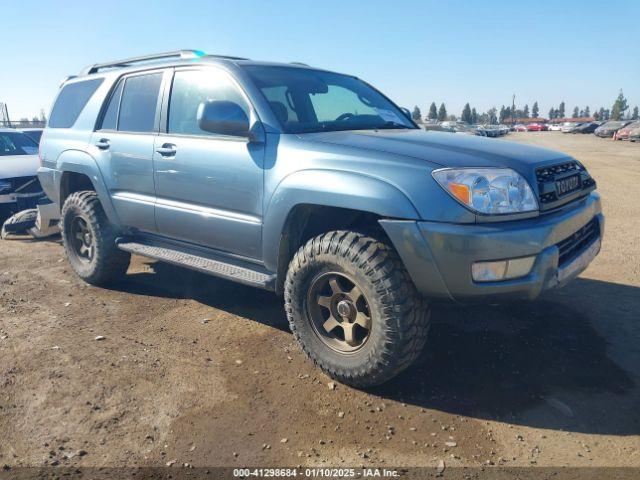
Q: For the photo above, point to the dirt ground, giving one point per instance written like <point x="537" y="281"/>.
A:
<point x="197" y="370"/>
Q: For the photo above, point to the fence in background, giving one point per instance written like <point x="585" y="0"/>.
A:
<point x="22" y="123"/>
<point x="6" y="122"/>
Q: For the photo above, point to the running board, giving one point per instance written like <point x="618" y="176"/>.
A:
<point x="205" y="262"/>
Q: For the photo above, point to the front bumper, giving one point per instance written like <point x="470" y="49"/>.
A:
<point x="13" y="203"/>
<point x="438" y="256"/>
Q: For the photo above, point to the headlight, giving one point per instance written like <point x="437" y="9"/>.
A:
<point x="488" y="190"/>
<point x="5" y="187"/>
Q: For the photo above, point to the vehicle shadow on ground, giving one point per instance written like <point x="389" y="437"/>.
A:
<point x="541" y="364"/>
<point x="169" y="281"/>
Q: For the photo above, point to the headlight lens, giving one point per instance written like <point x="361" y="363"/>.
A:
<point x="5" y="187"/>
<point x="488" y="190"/>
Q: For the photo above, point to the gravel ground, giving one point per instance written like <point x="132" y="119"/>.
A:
<point x="174" y="367"/>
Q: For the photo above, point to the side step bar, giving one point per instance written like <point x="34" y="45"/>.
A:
<point x="206" y="262"/>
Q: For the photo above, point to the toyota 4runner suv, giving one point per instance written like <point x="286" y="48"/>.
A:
<point x="314" y="185"/>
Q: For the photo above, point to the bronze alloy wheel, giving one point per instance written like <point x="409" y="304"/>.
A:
<point x="339" y="312"/>
<point x="81" y="239"/>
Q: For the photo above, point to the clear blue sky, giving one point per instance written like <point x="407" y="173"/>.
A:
<point x="417" y="52"/>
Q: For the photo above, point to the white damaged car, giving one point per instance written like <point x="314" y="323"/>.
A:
<point x="19" y="185"/>
<point x="24" y="207"/>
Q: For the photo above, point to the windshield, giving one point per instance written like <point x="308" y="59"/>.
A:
<point x="306" y="100"/>
<point x="16" y="143"/>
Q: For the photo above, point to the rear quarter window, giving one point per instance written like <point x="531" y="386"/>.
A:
<point x="70" y="102"/>
<point x="110" y="119"/>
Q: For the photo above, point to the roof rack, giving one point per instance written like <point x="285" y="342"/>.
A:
<point x="66" y="79"/>
<point x="178" y="54"/>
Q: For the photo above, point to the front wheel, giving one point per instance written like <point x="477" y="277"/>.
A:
<point x="90" y="240"/>
<point x="353" y="308"/>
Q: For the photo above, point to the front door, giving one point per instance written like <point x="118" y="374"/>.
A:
<point x="123" y="145"/>
<point x="208" y="187"/>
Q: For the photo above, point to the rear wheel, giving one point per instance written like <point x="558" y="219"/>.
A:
<point x="353" y="308"/>
<point x="90" y="240"/>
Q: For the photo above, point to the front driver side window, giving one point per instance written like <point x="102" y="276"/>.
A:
<point x="192" y="87"/>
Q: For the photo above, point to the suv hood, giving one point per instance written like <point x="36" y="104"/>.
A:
<point x="444" y="149"/>
<point x="12" y="166"/>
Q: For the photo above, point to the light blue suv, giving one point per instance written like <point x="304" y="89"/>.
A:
<point x="311" y="184"/>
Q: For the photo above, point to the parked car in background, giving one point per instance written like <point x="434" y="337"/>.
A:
<point x="634" y="134"/>
<point x="568" y="127"/>
<point x="19" y="185"/>
<point x="33" y="133"/>
<point x="625" y="132"/>
<point x="554" y="127"/>
<point x="488" y="130"/>
<point x="431" y="126"/>
<point x="520" y="127"/>
<point x="537" y="127"/>
<point x="435" y="127"/>
<point x="466" y="129"/>
<point x="587" y="127"/>
<point x="609" y="128"/>
<point x="503" y="129"/>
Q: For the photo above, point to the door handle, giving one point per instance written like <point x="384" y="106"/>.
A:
<point x="103" y="143"/>
<point x="167" y="150"/>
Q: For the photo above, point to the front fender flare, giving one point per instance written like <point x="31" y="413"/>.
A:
<point x="329" y="188"/>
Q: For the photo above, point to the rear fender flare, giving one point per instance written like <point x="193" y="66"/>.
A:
<point x="77" y="161"/>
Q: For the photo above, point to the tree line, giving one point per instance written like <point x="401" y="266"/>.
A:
<point x="619" y="111"/>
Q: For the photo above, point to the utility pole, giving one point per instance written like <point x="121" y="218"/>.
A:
<point x="4" y="116"/>
<point x="513" y="108"/>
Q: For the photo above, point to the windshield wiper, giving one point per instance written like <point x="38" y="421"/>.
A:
<point x="330" y="127"/>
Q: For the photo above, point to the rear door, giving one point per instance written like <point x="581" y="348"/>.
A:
<point x="124" y="144"/>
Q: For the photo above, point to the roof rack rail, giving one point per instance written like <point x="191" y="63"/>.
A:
<point x="66" y="79"/>
<point x="300" y="63"/>
<point x="177" y="54"/>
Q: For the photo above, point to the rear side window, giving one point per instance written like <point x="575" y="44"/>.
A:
<point x="110" y="119"/>
<point x="70" y="102"/>
<point x="139" y="102"/>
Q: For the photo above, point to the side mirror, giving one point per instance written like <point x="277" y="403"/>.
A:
<point x="223" y="117"/>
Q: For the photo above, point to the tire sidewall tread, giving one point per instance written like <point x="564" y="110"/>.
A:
<point x="108" y="263"/>
<point x="400" y="316"/>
